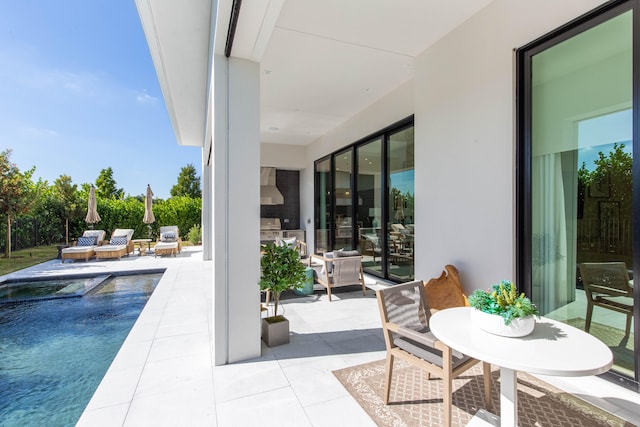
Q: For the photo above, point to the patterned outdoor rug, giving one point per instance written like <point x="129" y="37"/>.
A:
<point x="416" y="401"/>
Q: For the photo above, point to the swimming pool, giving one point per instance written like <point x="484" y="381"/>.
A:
<point x="42" y="288"/>
<point x="54" y="352"/>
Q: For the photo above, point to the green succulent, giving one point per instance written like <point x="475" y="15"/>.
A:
<point x="503" y="299"/>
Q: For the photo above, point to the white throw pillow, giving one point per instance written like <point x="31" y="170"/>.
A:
<point x="329" y="263"/>
<point x="289" y="241"/>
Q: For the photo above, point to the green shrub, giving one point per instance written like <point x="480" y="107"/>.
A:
<point x="195" y="235"/>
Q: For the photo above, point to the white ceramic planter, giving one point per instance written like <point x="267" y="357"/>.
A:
<point x="494" y="324"/>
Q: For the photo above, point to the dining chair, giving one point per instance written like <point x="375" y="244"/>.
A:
<point x="607" y="285"/>
<point x="405" y="322"/>
<point x="445" y="291"/>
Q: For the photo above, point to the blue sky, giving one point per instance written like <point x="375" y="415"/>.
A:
<point x="79" y="94"/>
<point x="600" y="133"/>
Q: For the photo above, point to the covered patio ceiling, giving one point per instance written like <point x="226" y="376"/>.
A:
<point x="321" y="61"/>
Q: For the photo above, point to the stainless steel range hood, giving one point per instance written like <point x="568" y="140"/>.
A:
<point x="269" y="193"/>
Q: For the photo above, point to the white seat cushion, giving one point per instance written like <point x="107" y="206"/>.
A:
<point x="166" y="245"/>
<point x="78" y="249"/>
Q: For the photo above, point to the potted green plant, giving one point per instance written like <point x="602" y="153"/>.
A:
<point x="502" y="311"/>
<point x="281" y="271"/>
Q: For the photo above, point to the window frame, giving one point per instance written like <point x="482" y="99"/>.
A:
<point x="382" y="134"/>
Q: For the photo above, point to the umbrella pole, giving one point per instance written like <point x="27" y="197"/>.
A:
<point x="149" y="230"/>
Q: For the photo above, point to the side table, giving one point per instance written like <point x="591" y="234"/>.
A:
<point x="60" y="248"/>
<point x="553" y="348"/>
<point x="141" y="245"/>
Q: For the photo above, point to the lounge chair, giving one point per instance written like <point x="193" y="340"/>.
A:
<point x="339" y="268"/>
<point x="169" y="242"/>
<point x="119" y="245"/>
<point x="370" y="246"/>
<point x="85" y="246"/>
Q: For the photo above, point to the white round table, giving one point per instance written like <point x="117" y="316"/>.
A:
<point x="553" y="348"/>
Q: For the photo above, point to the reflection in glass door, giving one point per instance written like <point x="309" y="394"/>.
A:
<point x="365" y="199"/>
<point x="370" y="210"/>
<point x="323" y="204"/>
<point x="400" y="260"/>
<point x="581" y="184"/>
<point x="343" y="213"/>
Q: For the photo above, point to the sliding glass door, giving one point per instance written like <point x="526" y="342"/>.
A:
<point x="324" y="186"/>
<point x="400" y="262"/>
<point x="577" y="187"/>
<point x="370" y="190"/>
<point x="343" y="212"/>
<point x="365" y="199"/>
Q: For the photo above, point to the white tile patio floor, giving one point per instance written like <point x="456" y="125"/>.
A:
<point x="164" y="376"/>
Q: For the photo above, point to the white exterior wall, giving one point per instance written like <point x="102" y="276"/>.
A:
<point x="283" y="156"/>
<point x="465" y="141"/>
<point x="463" y="99"/>
<point x="207" y="178"/>
<point x="236" y="210"/>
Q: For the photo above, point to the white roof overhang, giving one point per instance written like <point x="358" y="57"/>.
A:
<point x="321" y="61"/>
<point x="178" y="35"/>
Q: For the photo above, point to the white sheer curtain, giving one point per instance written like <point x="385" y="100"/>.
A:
<point x="549" y="234"/>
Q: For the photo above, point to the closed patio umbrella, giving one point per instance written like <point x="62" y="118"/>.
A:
<point x="92" y="210"/>
<point x="148" y="209"/>
<point x="399" y="208"/>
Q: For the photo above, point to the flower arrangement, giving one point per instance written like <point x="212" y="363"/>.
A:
<point x="503" y="299"/>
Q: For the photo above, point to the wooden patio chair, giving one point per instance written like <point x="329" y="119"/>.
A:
<point x="405" y="322"/>
<point x="445" y="291"/>
<point x="345" y="268"/>
<point x="607" y="285"/>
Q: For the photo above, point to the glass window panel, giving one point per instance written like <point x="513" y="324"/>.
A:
<point x="400" y="260"/>
<point x="370" y="210"/>
<point x="352" y="206"/>
<point x="343" y="213"/>
<point x="323" y="207"/>
<point x="581" y="179"/>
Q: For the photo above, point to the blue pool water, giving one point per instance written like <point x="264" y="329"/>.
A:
<point x="54" y="352"/>
<point x="29" y="290"/>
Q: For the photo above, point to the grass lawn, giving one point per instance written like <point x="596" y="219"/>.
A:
<point x="26" y="258"/>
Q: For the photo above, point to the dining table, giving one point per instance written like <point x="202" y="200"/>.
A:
<point x="553" y="348"/>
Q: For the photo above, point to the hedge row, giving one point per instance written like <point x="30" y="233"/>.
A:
<point x="46" y="224"/>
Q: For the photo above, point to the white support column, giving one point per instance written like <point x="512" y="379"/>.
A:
<point x="236" y="209"/>
<point x="207" y="216"/>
